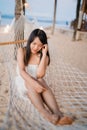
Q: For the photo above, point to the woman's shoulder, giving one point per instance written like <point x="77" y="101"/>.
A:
<point x="21" y="52"/>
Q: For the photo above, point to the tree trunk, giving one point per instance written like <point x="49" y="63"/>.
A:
<point x="19" y="30"/>
<point x="18" y="9"/>
<point x="23" y="3"/>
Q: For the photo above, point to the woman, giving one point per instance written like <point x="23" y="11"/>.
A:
<point x="32" y="63"/>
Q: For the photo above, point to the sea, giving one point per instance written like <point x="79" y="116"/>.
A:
<point x="40" y="11"/>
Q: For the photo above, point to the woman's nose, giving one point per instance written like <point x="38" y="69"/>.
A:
<point x="35" y="47"/>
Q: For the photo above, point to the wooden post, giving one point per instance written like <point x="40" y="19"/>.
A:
<point x="54" y="16"/>
<point x="77" y="17"/>
<point x="81" y="13"/>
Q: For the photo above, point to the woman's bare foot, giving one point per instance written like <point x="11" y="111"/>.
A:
<point x="65" y="121"/>
<point x="56" y="117"/>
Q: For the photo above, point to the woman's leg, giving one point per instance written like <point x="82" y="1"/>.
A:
<point x="37" y="101"/>
<point x="52" y="105"/>
<point x="49" y="98"/>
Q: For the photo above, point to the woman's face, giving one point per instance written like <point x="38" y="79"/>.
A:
<point x="36" y="45"/>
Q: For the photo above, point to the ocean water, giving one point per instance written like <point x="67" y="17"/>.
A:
<point x="41" y="11"/>
<point x="7" y="19"/>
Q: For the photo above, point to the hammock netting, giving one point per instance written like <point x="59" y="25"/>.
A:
<point x="68" y="84"/>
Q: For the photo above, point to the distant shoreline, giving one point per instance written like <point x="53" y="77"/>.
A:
<point x="43" y="21"/>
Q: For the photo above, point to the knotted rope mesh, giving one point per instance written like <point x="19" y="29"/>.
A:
<point x="68" y="84"/>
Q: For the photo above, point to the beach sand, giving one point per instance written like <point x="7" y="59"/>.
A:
<point x="71" y="52"/>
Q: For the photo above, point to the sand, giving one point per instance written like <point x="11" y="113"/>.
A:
<point x="72" y="52"/>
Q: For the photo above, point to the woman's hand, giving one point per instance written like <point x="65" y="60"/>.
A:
<point x="39" y="88"/>
<point x="36" y="86"/>
<point x="44" y="49"/>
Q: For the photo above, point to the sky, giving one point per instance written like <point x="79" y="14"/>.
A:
<point x="65" y="8"/>
<point x="7" y="6"/>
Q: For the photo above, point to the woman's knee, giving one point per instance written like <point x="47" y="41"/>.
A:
<point x="43" y="82"/>
<point x="29" y="88"/>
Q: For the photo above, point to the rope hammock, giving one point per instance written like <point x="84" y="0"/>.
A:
<point x="68" y="84"/>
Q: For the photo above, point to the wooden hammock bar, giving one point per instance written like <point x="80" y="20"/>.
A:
<point x="13" y="42"/>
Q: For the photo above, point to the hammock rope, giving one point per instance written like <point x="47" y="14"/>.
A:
<point x="68" y="84"/>
<point x="69" y="87"/>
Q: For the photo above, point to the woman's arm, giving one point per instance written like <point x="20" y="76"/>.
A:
<point x="43" y="63"/>
<point x="28" y="79"/>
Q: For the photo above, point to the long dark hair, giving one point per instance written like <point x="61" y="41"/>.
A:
<point x="43" y="38"/>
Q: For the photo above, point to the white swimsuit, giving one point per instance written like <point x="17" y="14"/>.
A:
<point x="21" y="88"/>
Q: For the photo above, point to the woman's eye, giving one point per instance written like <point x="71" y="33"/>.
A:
<point x="34" y="43"/>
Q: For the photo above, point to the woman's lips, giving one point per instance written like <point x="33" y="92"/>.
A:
<point x="34" y="51"/>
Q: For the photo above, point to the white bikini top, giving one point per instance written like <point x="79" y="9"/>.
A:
<point x="30" y="69"/>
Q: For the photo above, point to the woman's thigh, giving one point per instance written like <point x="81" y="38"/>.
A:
<point x="35" y="98"/>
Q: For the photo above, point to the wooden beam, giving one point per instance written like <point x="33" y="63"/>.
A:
<point x="12" y="42"/>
